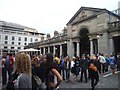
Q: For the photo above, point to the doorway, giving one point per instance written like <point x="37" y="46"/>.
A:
<point x="116" y="44"/>
<point x="84" y="42"/>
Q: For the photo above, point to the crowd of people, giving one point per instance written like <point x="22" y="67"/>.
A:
<point x="48" y="67"/>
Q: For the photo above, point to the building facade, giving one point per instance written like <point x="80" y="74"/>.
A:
<point x="89" y="31"/>
<point x="14" y="37"/>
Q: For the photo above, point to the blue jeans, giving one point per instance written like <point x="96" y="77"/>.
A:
<point x="67" y="74"/>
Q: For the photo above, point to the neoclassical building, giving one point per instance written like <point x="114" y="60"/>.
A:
<point x="89" y="31"/>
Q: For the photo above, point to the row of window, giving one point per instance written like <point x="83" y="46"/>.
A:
<point x="19" y="43"/>
<point x="5" y="47"/>
<point x="19" y="39"/>
<point x="22" y="33"/>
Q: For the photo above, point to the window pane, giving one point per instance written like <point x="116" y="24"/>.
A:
<point x="19" y="39"/>
<point x="6" y="37"/>
<point x="5" y="42"/>
<point x="13" y="38"/>
<point x="25" y="39"/>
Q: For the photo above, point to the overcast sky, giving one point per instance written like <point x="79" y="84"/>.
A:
<point x="46" y="16"/>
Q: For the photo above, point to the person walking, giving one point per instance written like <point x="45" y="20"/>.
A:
<point x="102" y="60"/>
<point x="94" y="76"/>
<point x="112" y="62"/>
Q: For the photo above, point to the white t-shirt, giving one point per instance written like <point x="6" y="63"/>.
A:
<point x="102" y="59"/>
<point x="72" y="64"/>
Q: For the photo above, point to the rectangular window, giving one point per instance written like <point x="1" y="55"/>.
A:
<point x="13" y="38"/>
<point x="25" y="39"/>
<point x="36" y="40"/>
<point x="6" y="31"/>
<point x="31" y="40"/>
<point x="19" y="47"/>
<point x="12" y="47"/>
<point x="19" y="39"/>
<point x="5" y="47"/>
<point x="6" y="42"/>
<point x="6" y="37"/>
<point x="19" y="43"/>
<point x="42" y="38"/>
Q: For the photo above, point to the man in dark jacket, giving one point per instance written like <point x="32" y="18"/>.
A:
<point x="84" y="67"/>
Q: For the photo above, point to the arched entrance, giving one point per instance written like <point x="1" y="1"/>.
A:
<point x="84" y="42"/>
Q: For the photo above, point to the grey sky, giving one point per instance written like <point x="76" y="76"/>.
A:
<point x="47" y="15"/>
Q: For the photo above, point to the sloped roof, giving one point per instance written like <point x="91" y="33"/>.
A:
<point x="99" y="10"/>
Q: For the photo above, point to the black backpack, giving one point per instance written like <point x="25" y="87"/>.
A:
<point x="10" y="84"/>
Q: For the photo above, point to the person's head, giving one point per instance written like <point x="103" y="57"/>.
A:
<point x="23" y="64"/>
<point x="93" y="57"/>
<point x="73" y="58"/>
<point x="67" y="58"/>
<point x="50" y="63"/>
<point x="49" y="58"/>
<point x="43" y="58"/>
<point x="10" y="54"/>
<point x="36" y="61"/>
<point x="77" y="58"/>
<point x="83" y="56"/>
<point x="56" y="55"/>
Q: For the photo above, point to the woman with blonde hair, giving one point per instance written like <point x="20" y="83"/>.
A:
<point x="23" y="67"/>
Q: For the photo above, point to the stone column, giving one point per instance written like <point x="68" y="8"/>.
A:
<point x="70" y="48"/>
<point x="54" y="50"/>
<point x="91" y="47"/>
<point x="78" y="49"/>
<point x="43" y="50"/>
<point x="60" y="50"/>
<point x="111" y="46"/>
<point x="40" y="51"/>
<point x="48" y="49"/>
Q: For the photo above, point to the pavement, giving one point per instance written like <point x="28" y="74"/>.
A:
<point x="106" y="81"/>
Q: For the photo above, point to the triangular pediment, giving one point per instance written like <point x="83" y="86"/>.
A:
<point x="85" y="12"/>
